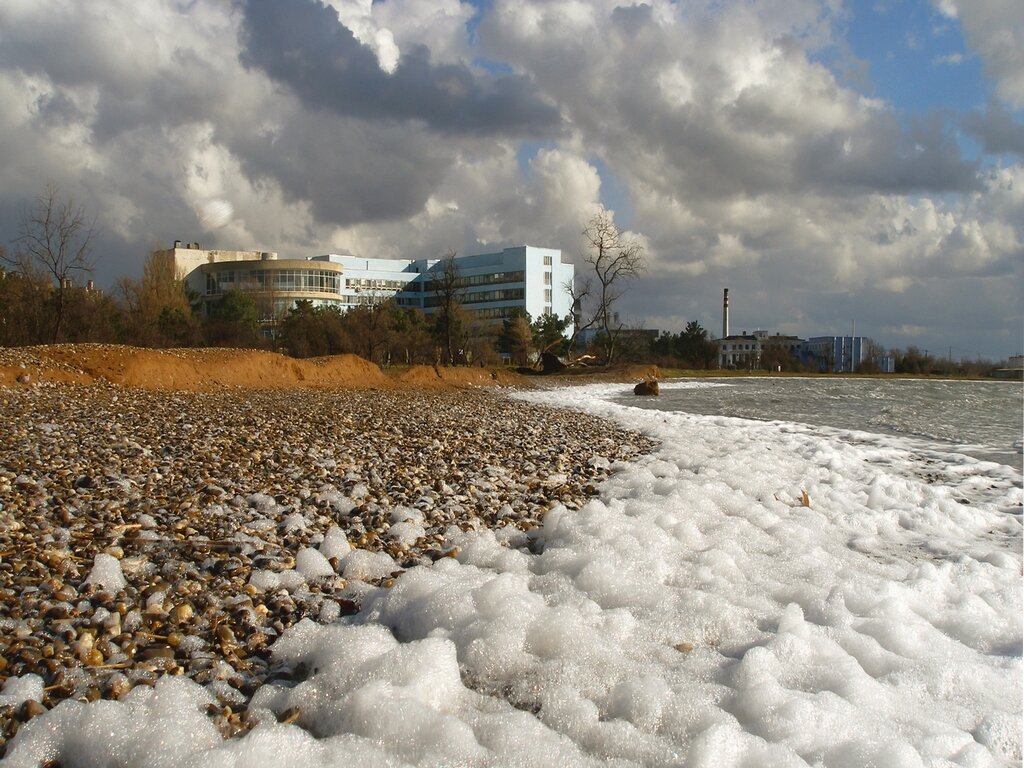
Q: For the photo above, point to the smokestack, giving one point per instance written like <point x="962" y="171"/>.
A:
<point x="725" y="314"/>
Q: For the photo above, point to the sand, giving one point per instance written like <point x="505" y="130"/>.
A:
<point x="209" y="369"/>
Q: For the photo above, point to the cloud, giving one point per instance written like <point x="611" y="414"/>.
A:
<point x="302" y="44"/>
<point x="995" y="29"/>
<point x="997" y="130"/>
<point x="739" y="156"/>
<point x="347" y="170"/>
<point x="883" y="156"/>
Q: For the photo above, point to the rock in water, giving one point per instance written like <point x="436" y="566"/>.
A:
<point x="649" y="388"/>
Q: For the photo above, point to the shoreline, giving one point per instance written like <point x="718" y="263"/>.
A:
<point x="147" y="534"/>
<point x="709" y="564"/>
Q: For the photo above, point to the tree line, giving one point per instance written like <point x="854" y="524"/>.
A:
<point x="45" y="297"/>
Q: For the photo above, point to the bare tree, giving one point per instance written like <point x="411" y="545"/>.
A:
<point x="579" y="289"/>
<point x="449" y="317"/>
<point x="55" y="240"/>
<point x="612" y="259"/>
<point x="158" y="307"/>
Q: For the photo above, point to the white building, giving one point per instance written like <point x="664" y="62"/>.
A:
<point x="492" y="286"/>
<point x="746" y="350"/>
<point x="275" y="284"/>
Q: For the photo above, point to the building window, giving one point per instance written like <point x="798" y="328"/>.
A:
<point x="547" y="295"/>
<point x="547" y="261"/>
<point x="547" y="278"/>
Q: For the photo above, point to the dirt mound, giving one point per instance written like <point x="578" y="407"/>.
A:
<point x="438" y="376"/>
<point x="206" y="369"/>
<point x="183" y="369"/>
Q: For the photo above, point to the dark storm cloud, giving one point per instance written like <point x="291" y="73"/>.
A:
<point x="303" y="45"/>
<point x="996" y="129"/>
<point x="883" y="157"/>
<point x="348" y="170"/>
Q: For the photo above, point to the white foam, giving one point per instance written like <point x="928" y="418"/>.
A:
<point x="364" y="565"/>
<point x="312" y="564"/>
<point x="335" y="544"/>
<point x="18" y="690"/>
<point x="106" y="573"/>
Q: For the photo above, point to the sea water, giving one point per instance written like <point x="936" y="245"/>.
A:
<point x="984" y="419"/>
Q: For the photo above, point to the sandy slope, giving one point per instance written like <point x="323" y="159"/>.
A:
<point x="204" y="369"/>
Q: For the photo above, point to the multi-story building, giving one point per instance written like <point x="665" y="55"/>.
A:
<point x="838" y="354"/>
<point x="275" y="284"/>
<point x="748" y="350"/>
<point x="492" y="286"/>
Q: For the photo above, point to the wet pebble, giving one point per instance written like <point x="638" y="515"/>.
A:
<point x="145" y="533"/>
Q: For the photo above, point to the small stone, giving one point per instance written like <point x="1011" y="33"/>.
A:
<point x="181" y="613"/>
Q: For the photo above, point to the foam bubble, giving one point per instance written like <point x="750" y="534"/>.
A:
<point x="106" y="573"/>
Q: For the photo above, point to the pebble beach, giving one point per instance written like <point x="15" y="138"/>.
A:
<point x="146" y="534"/>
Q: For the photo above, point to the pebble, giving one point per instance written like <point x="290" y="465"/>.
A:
<point x="197" y="499"/>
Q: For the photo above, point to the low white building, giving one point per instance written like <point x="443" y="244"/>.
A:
<point x="492" y="286"/>
<point x="275" y="284"/>
<point x="746" y="350"/>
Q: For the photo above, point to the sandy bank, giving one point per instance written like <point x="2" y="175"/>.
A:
<point x="209" y="369"/>
<point x="201" y="370"/>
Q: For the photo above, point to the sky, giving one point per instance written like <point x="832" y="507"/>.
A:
<point x="838" y="166"/>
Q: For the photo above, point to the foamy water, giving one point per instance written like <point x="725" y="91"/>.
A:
<point x="753" y="593"/>
<point x="984" y="419"/>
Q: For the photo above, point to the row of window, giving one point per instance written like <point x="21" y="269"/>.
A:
<point x="766" y="345"/>
<point x="368" y="283"/>
<point x="307" y="280"/>
<point x="481" y="297"/>
<point x="323" y="281"/>
<point x="467" y="281"/>
<point x="495" y="313"/>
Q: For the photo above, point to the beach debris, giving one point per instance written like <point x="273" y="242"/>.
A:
<point x="647" y="387"/>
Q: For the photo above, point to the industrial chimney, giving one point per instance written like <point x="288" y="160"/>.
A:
<point x="725" y="314"/>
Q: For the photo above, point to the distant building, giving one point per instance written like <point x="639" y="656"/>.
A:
<point x="837" y="354"/>
<point x="1013" y="370"/>
<point x="749" y="350"/>
<point x="275" y="284"/>
<point x="493" y="286"/>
